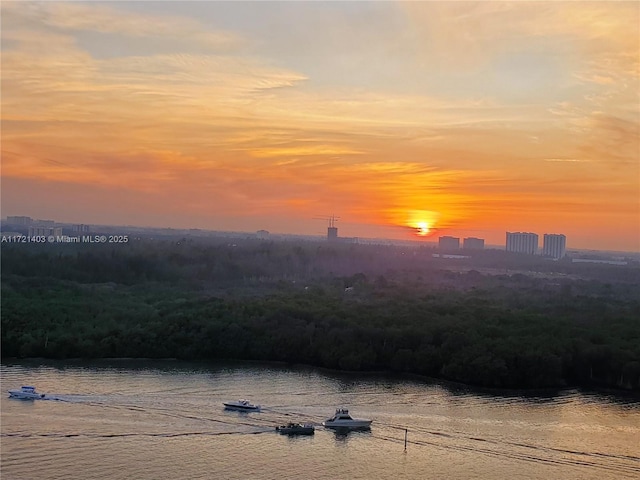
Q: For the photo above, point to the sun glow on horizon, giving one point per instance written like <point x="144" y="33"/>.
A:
<point x="423" y="228"/>
<point x="422" y="221"/>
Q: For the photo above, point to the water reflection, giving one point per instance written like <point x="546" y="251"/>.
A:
<point x="343" y="434"/>
<point x="343" y="382"/>
<point x="298" y="438"/>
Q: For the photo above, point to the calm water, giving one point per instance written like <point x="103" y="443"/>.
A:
<point x="157" y="420"/>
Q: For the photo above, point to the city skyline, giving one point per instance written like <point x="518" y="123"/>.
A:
<point x="331" y="233"/>
<point x="245" y="116"/>
<point x="554" y="245"/>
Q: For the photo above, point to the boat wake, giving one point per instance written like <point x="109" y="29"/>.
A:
<point x="621" y="464"/>
<point x="131" y="434"/>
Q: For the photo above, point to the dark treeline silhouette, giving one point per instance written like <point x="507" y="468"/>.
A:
<point x="340" y="306"/>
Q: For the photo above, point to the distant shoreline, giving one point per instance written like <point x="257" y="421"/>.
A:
<point x="450" y="385"/>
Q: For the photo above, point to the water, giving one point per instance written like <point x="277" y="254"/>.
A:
<point x="165" y="420"/>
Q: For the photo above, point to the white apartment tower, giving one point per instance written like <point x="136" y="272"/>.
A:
<point x="521" y="242"/>
<point x="472" y="243"/>
<point x="554" y="245"/>
<point x="448" y="243"/>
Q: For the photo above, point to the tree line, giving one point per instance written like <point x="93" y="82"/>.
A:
<point x="340" y="307"/>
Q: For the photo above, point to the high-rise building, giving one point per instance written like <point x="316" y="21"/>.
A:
<point x="554" y="245"/>
<point x="522" y="242"/>
<point x="472" y="243"/>
<point x="448" y="243"/>
<point x="19" y="220"/>
<point x="45" y="231"/>
<point x="80" y="228"/>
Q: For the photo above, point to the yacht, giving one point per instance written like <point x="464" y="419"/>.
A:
<point x="342" y="419"/>
<point x="242" y="405"/>
<point x="26" y="392"/>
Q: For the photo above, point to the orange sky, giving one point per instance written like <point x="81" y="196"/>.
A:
<point x="472" y="118"/>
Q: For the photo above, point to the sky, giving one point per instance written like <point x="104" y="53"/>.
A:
<point x="404" y="120"/>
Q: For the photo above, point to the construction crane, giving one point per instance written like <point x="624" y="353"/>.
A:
<point x="332" y="230"/>
<point x="332" y="219"/>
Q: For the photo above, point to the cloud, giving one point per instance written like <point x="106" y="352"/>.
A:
<point x="569" y="160"/>
<point x="463" y="34"/>
<point x="75" y="17"/>
<point x="457" y="127"/>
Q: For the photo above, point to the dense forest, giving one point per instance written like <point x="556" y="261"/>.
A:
<point x="494" y="320"/>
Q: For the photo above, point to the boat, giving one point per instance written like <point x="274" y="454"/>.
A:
<point x="296" y="429"/>
<point x="26" y="392"/>
<point x="341" y="419"/>
<point x="242" y="405"/>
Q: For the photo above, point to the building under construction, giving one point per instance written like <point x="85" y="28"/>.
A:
<point x="332" y="230"/>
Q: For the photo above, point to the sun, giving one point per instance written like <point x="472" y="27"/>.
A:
<point x="423" y="228"/>
<point x="422" y="221"/>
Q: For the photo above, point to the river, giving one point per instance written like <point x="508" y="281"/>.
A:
<point x="165" y="420"/>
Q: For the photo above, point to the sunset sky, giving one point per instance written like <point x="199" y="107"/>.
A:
<point x="440" y="118"/>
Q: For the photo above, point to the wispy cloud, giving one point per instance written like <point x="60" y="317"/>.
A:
<point x="92" y="17"/>
<point x="569" y="160"/>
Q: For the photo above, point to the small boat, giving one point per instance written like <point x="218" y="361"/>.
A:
<point x="296" y="429"/>
<point x="341" y="419"/>
<point x="26" y="392"/>
<point x="242" y="405"/>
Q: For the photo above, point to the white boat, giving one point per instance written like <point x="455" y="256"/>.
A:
<point x="26" y="392"/>
<point x="242" y="405"/>
<point x="343" y="420"/>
